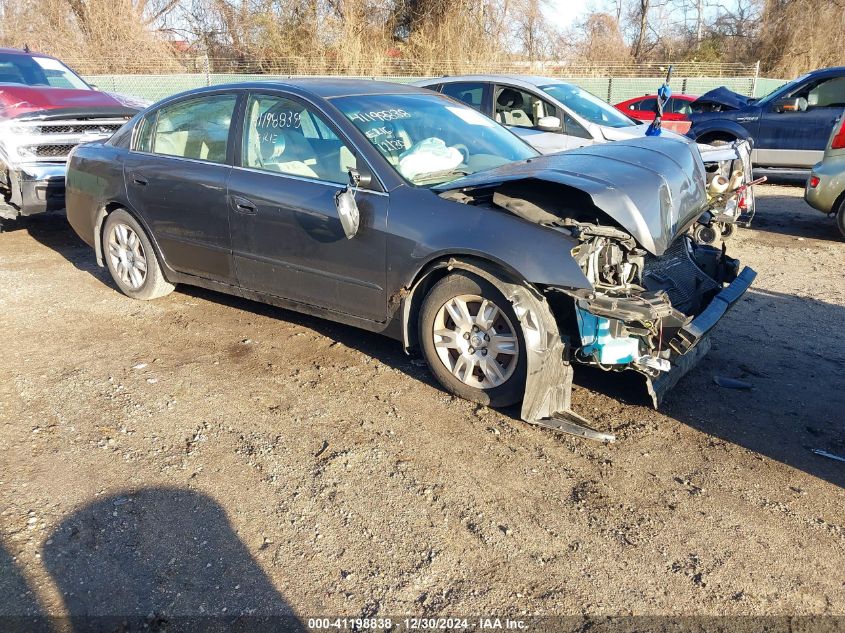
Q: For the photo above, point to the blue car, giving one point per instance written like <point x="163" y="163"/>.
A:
<point x="789" y="127"/>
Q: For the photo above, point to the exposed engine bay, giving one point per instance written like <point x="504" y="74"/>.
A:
<point x="730" y="191"/>
<point x="642" y="312"/>
<point x="641" y="303"/>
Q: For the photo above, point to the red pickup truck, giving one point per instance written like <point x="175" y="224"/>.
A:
<point x="45" y="111"/>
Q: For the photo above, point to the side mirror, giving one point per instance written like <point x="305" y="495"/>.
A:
<point x="549" y="124"/>
<point x="347" y="208"/>
<point x="797" y="104"/>
<point x="357" y="179"/>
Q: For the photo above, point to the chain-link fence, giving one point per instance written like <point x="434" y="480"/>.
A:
<point x="338" y="64"/>
<point x="613" y="82"/>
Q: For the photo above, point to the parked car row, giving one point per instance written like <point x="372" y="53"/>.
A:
<point x="554" y="116"/>
<point x="421" y="215"/>
<point x="402" y="211"/>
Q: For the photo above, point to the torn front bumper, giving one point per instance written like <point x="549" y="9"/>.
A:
<point x="548" y="387"/>
<point x="692" y="343"/>
<point x="35" y="187"/>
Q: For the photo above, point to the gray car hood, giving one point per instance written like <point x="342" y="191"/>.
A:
<point x="654" y="187"/>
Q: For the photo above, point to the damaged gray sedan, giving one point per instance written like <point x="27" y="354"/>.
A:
<point x="399" y="211"/>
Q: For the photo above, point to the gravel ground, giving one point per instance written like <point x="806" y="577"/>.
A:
<point x="203" y="454"/>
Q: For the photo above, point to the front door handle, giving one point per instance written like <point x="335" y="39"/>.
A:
<point x="243" y="205"/>
<point x="138" y="179"/>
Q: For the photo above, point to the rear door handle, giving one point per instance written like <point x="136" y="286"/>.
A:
<point x="138" y="179"/>
<point x="243" y="205"/>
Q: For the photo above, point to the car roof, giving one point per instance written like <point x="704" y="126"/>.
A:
<point x="832" y="70"/>
<point x="22" y="53"/>
<point x="323" y="87"/>
<point x="525" y="81"/>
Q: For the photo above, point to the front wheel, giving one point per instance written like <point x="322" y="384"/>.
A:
<point x="472" y="340"/>
<point x="131" y="259"/>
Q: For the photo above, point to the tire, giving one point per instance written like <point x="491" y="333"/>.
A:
<point x="131" y="259"/>
<point x="493" y="371"/>
<point x="703" y="234"/>
<point x="716" y="140"/>
<point x="728" y="231"/>
<point x="840" y="218"/>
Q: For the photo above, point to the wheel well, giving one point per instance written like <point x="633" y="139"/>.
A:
<point x="101" y="221"/>
<point x="710" y="137"/>
<point x="838" y="203"/>
<point x="433" y="272"/>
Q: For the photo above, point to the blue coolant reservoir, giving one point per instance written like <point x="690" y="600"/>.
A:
<point x="597" y="341"/>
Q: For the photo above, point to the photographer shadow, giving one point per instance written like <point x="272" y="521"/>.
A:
<point x="161" y="559"/>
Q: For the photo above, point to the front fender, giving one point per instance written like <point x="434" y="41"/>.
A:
<point x="548" y="384"/>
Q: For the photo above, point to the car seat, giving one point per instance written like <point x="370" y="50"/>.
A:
<point x="509" y="110"/>
<point x="281" y="149"/>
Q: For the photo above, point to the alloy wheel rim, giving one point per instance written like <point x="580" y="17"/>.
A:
<point x="128" y="259"/>
<point x="476" y="341"/>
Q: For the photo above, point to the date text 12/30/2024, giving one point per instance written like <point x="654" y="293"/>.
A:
<point x="417" y="624"/>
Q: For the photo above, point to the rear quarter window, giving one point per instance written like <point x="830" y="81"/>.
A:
<point x="144" y="133"/>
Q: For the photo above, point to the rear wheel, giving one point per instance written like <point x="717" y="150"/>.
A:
<point x="472" y="340"/>
<point x="131" y="259"/>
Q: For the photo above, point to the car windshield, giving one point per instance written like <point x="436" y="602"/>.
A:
<point x="430" y="139"/>
<point x="588" y="106"/>
<point x="38" y="71"/>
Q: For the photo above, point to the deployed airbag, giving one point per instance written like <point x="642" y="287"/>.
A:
<point x="429" y="156"/>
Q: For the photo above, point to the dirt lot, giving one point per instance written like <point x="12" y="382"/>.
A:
<point x="204" y="454"/>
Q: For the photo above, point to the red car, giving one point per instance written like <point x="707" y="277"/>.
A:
<point x="45" y="111"/>
<point x="674" y="113"/>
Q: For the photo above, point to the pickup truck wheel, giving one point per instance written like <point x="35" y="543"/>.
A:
<point x="715" y="139"/>
<point x="131" y="259"/>
<point x="472" y="340"/>
<point x="840" y="218"/>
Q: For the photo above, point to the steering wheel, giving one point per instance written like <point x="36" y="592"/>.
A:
<point x="464" y="150"/>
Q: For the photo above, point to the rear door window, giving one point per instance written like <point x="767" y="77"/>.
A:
<point x="196" y="129"/>
<point x="470" y="93"/>
<point x="679" y="106"/>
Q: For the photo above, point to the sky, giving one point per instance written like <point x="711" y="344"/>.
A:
<point x="564" y="12"/>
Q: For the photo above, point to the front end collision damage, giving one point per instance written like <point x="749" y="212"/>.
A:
<point x="730" y="190"/>
<point x="651" y="300"/>
<point x="548" y="383"/>
<point x="35" y="148"/>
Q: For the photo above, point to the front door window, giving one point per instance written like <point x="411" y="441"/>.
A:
<point x="283" y="136"/>
<point x="518" y="108"/>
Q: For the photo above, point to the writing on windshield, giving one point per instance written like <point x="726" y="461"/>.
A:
<point x="428" y="139"/>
